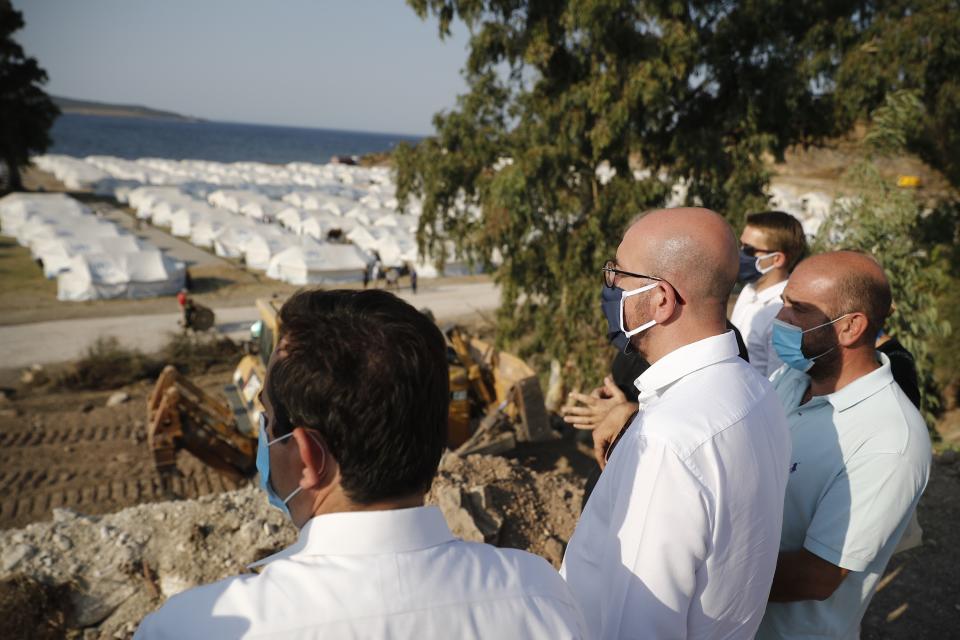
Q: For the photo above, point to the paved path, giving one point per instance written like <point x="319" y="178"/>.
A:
<point x="46" y="342"/>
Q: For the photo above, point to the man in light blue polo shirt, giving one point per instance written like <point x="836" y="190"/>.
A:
<point x="861" y="453"/>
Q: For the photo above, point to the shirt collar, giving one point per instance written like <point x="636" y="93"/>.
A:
<point x="684" y="361"/>
<point x="858" y="390"/>
<point x="771" y="293"/>
<point x="368" y="533"/>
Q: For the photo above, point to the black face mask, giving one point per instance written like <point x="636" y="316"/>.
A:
<point x="748" y="269"/>
<point x="610" y="304"/>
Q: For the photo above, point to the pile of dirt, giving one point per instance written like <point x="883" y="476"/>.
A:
<point x="112" y="570"/>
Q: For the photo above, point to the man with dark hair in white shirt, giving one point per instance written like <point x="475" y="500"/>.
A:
<point x="356" y="399"/>
<point x="680" y="536"/>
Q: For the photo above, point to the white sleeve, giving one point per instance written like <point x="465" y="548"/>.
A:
<point x="660" y="519"/>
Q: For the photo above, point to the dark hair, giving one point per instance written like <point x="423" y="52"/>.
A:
<point x="783" y="233"/>
<point x="369" y="373"/>
<point x="866" y="292"/>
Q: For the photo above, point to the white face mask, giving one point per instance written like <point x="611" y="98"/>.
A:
<point x="766" y="270"/>
<point x="644" y="326"/>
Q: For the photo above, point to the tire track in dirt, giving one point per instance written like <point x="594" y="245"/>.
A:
<point x="65" y="454"/>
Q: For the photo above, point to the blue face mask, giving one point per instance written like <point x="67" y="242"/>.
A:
<point x="611" y="303"/>
<point x="263" y="467"/>
<point x="788" y="343"/>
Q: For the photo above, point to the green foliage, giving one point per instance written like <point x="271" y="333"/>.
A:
<point x="26" y="112"/>
<point x="691" y="91"/>
<point x="888" y="223"/>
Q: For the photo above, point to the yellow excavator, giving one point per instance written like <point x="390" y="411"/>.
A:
<point x="495" y="401"/>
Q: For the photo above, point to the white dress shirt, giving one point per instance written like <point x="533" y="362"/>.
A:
<point x="753" y="316"/>
<point x="379" y="574"/>
<point x="680" y="537"/>
<point x="861" y="459"/>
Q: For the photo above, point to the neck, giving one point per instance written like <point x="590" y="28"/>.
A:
<point x="336" y="501"/>
<point x="856" y="364"/>
<point x="771" y="278"/>
<point x="675" y="335"/>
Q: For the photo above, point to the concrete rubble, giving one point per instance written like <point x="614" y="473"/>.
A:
<point x="117" y="568"/>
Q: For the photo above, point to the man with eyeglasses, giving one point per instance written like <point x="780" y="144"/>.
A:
<point x="771" y="245"/>
<point x="680" y="536"/>
<point x="355" y="422"/>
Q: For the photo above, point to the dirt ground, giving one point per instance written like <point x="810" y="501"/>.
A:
<point x="66" y="449"/>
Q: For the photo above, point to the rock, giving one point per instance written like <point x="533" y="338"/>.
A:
<point x="15" y="555"/>
<point x="93" y="607"/>
<point x="64" y="515"/>
<point x="470" y="514"/>
<point x="87" y="407"/>
<point x="948" y="457"/>
<point x="123" y="458"/>
<point x="553" y="551"/>
<point x="117" y="398"/>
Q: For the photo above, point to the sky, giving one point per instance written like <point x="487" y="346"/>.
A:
<point x="362" y="65"/>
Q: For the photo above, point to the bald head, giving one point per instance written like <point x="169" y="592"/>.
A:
<point x="849" y="281"/>
<point x="693" y="249"/>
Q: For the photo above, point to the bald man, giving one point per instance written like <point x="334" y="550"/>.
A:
<point x="680" y="536"/>
<point x="861" y="453"/>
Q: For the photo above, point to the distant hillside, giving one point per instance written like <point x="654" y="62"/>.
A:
<point x="86" y="107"/>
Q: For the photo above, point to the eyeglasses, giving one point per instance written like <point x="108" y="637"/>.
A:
<point x="610" y="273"/>
<point x="752" y="251"/>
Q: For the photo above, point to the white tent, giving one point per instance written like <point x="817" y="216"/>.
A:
<point x="232" y="241"/>
<point x="314" y="262"/>
<point x="126" y="275"/>
<point x="17" y="208"/>
<point x="320" y="223"/>
<point x="56" y="253"/>
<point x="263" y="244"/>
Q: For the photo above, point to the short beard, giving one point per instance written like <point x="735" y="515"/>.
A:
<point x="828" y="364"/>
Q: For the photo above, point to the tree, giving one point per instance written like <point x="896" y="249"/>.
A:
<point x="688" y="92"/>
<point x="26" y="112"/>
<point x="886" y="222"/>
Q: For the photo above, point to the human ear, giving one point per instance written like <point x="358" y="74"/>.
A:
<point x="315" y="457"/>
<point x="853" y="328"/>
<point x="663" y="303"/>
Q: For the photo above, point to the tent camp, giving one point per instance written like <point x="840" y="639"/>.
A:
<point x="232" y="241"/>
<point x="126" y="275"/>
<point x="317" y="262"/>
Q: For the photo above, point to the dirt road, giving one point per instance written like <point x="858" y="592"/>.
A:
<point x="62" y="340"/>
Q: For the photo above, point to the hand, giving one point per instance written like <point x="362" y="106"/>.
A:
<point x="593" y="408"/>
<point x="604" y="411"/>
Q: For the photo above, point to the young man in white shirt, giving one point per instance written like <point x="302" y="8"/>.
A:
<point x="861" y="452"/>
<point x="680" y="536"/>
<point x="356" y="399"/>
<point x="771" y="245"/>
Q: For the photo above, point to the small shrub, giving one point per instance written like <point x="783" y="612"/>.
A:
<point x="108" y="365"/>
<point x="198" y="353"/>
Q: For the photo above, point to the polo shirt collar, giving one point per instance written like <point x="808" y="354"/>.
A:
<point x="368" y="533"/>
<point x="684" y="361"/>
<point x="858" y="390"/>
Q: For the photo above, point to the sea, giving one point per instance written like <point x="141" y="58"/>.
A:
<point x="135" y="137"/>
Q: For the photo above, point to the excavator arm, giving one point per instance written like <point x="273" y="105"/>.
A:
<point x="182" y="415"/>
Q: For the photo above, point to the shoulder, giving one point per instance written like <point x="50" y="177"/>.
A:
<point x="706" y="403"/>
<point x="511" y="568"/>
<point x="891" y="423"/>
<point x="209" y="609"/>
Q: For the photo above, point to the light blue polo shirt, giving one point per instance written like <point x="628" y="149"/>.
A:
<point x="861" y="459"/>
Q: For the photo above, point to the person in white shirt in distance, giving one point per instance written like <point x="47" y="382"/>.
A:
<point x="355" y="423"/>
<point x="680" y="536"/>
<point x="771" y="245"/>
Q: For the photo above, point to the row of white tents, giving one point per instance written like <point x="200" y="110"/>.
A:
<point x="303" y="212"/>
<point x="91" y="258"/>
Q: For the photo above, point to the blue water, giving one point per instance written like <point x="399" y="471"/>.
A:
<point x="131" y="138"/>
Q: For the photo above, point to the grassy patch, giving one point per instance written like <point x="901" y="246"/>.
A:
<point x="20" y="274"/>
